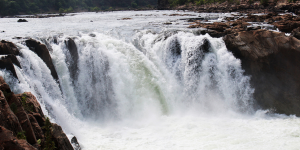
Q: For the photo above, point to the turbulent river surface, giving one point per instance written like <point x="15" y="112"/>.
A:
<point x="143" y="83"/>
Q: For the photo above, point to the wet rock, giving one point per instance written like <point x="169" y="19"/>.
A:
<point x="73" y="67"/>
<point x="7" y="63"/>
<point x="22" y="20"/>
<point x="9" y="142"/>
<point x="75" y="143"/>
<point x="7" y="48"/>
<point x="271" y="59"/>
<point x="92" y="35"/>
<point x="13" y="59"/>
<point x="61" y="140"/>
<point x="42" y="51"/>
<point x="253" y="28"/>
<point x="296" y="33"/>
<point x="167" y="23"/>
<point x="213" y="33"/>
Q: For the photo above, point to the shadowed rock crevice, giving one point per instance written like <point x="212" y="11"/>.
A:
<point x="73" y="66"/>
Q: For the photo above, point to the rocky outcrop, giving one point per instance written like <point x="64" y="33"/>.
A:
<point x="271" y="59"/>
<point x="60" y="138"/>
<point x="23" y="124"/>
<point x="8" y="141"/>
<point x="7" y="117"/>
<point x="73" y="66"/>
<point x="7" y="64"/>
<point x="75" y="143"/>
<point x="42" y="51"/>
<point x="285" y="23"/>
<point x="7" y="48"/>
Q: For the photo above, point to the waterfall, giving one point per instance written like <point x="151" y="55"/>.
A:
<point x="155" y="74"/>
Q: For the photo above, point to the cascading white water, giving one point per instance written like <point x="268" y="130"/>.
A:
<point x="158" y="89"/>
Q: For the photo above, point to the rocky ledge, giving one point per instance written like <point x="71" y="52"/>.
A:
<point x="284" y="23"/>
<point x="272" y="61"/>
<point x="24" y="126"/>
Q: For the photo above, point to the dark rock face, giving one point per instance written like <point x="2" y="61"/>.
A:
<point x="7" y="48"/>
<point x="42" y="51"/>
<point x="61" y="140"/>
<point x="272" y="59"/>
<point x="6" y="63"/>
<point x="22" y="20"/>
<point x="73" y="66"/>
<point x="7" y="118"/>
<point x="75" y="143"/>
<point x="296" y="33"/>
<point x="9" y="142"/>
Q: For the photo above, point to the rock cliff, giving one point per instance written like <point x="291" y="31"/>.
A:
<point x="24" y="126"/>
<point x="272" y="61"/>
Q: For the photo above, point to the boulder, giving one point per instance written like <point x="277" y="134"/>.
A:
<point x="9" y="142"/>
<point x="271" y="59"/>
<point x="7" y="48"/>
<point x="61" y="140"/>
<point x="42" y="51"/>
<point x="75" y="143"/>
<point x="22" y="20"/>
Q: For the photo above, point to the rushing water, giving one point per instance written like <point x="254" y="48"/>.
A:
<point x="141" y="84"/>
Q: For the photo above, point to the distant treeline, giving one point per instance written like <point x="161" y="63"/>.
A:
<point x="14" y="7"/>
<point x="173" y="3"/>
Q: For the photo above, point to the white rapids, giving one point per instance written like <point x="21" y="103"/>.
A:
<point x="142" y="84"/>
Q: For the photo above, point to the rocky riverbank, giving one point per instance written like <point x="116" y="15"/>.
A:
<point x="242" y="6"/>
<point x="23" y="124"/>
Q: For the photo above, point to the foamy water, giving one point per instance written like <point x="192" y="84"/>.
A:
<point x="142" y="84"/>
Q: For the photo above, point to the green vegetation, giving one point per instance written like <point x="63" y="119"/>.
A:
<point x="15" y="7"/>
<point x="26" y="106"/>
<point x="21" y="135"/>
<point x="49" y="143"/>
<point x="38" y="142"/>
